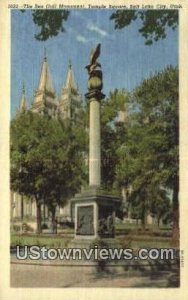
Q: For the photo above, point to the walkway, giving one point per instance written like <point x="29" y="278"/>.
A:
<point x="25" y="275"/>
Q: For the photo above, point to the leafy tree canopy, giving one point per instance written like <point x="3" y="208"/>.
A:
<point x="45" y="157"/>
<point x="149" y="158"/>
<point x="152" y="142"/>
<point x="50" y="22"/>
<point x="154" y="23"/>
<point x="113" y="132"/>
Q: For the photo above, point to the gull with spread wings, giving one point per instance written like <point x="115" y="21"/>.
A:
<point x="93" y="59"/>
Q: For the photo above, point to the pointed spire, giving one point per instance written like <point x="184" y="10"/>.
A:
<point x="70" y="64"/>
<point x="45" y="56"/>
<point x="70" y="99"/>
<point x="23" y="88"/>
<point x="70" y="81"/>
<point x="45" y="82"/>
<point x="23" y="101"/>
<point x="44" y="98"/>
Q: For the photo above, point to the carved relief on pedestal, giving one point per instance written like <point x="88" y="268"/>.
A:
<point x="85" y="220"/>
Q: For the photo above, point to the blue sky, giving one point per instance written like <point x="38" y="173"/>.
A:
<point x="125" y="59"/>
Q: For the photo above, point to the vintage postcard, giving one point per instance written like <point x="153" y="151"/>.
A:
<point x="94" y="149"/>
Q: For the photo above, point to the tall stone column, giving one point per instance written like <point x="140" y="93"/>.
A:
<point x="94" y="95"/>
<point x="94" y="144"/>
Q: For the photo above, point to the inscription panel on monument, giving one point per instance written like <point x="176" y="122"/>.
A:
<point x="85" y="220"/>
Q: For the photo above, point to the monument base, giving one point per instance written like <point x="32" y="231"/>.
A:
<point x="94" y="215"/>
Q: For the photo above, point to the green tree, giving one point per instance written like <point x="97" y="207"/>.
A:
<point x="50" y="22"/>
<point x="113" y="132"/>
<point x="155" y="23"/>
<point x="151" y="200"/>
<point x="159" y="204"/>
<point x="45" y="160"/>
<point x="149" y="159"/>
<point x="139" y="205"/>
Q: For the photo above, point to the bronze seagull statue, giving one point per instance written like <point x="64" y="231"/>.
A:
<point x="93" y="59"/>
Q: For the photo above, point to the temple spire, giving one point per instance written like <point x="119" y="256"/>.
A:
<point x="70" y="83"/>
<point x="70" y="64"/>
<point x="45" y="82"/>
<point x="70" y="100"/>
<point x="23" y="88"/>
<point x="23" y="101"/>
<point x="45" y="101"/>
<point x="45" y="56"/>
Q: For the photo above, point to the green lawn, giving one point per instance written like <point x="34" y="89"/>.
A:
<point x="128" y="235"/>
<point x="57" y="241"/>
<point x="48" y="241"/>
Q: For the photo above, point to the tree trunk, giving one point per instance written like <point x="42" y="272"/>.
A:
<point x="143" y="222"/>
<point x="175" y="230"/>
<point x="143" y="218"/>
<point x="22" y="207"/>
<point x="53" y="213"/>
<point x="158" y="222"/>
<point x="44" y="212"/>
<point x="54" y="223"/>
<point x="39" y="227"/>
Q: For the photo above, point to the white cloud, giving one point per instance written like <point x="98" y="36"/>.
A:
<point x="82" y="39"/>
<point x="97" y="29"/>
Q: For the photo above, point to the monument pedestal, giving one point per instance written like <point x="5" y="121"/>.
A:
<point x="94" y="215"/>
